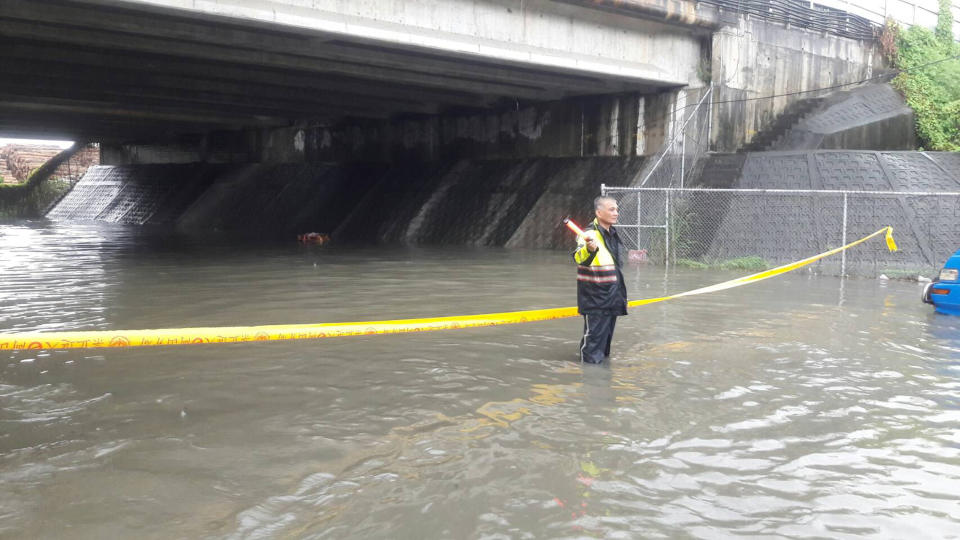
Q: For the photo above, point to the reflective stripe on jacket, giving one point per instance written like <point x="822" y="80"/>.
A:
<point x="600" y="285"/>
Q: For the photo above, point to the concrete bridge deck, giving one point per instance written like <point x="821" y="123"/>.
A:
<point x="127" y="70"/>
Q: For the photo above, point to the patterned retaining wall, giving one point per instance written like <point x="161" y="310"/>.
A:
<point x="515" y="203"/>
<point x="927" y="227"/>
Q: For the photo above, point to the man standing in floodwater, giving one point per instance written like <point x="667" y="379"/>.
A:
<point x="601" y="290"/>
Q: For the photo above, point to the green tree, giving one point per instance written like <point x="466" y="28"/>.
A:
<point x="930" y="80"/>
<point x="944" y="29"/>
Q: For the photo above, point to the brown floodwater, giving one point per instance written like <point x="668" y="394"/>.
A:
<point x="799" y="407"/>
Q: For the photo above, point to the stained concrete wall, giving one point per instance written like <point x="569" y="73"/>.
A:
<point x="747" y="62"/>
<point x="567" y="35"/>
<point x="590" y="126"/>
<point x="868" y="117"/>
<point x="755" y="59"/>
<point x="214" y="147"/>
<point x="512" y="202"/>
<point x="612" y="125"/>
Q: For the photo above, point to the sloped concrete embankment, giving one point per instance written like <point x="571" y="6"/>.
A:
<point x="514" y="203"/>
<point x="868" y="117"/>
<point x="795" y="153"/>
<point x="134" y="194"/>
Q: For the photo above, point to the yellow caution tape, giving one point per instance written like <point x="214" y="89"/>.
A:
<point x="240" y="334"/>
<point x="891" y="245"/>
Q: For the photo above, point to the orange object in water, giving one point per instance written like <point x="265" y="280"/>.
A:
<point x="313" y="238"/>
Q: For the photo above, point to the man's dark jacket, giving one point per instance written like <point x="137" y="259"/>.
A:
<point x="603" y="295"/>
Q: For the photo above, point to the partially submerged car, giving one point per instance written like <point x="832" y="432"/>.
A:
<point x="944" y="292"/>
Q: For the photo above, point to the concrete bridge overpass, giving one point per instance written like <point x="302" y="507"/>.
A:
<point x="142" y="70"/>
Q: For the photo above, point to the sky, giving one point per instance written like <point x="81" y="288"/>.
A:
<point x="61" y="144"/>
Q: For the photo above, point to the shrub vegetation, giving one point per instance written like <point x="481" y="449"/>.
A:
<point x="930" y="78"/>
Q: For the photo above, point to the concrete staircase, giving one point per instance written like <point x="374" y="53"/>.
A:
<point x="781" y="127"/>
<point x="868" y="117"/>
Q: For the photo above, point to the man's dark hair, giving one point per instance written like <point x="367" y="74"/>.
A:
<point x="600" y="199"/>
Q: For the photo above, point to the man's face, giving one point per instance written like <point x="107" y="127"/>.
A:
<point x="608" y="213"/>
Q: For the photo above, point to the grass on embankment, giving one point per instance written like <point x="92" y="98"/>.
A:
<point x="757" y="264"/>
<point x="30" y="200"/>
<point x="740" y="263"/>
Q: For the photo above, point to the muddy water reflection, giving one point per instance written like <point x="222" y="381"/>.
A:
<point x="786" y="408"/>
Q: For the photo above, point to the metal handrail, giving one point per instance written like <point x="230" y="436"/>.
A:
<point x="804" y="15"/>
<point x="680" y="133"/>
<point x="610" y="189"/>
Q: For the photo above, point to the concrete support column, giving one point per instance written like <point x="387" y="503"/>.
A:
<point x="640" y="148"/>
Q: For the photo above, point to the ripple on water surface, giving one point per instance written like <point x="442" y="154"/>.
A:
<point x="791" y="408"/>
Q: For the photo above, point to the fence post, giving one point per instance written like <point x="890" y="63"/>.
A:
<point x="603" y="190"/>
<point x="638" y="220"/>
<point x="710" y="119"/>
<point x="843" y="242"/>
<point x="683" y="155"/>
<point x="666" y="231"/>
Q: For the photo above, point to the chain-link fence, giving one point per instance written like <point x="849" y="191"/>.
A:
<point x="685" y="148"/>
<point x="753" y="228"/>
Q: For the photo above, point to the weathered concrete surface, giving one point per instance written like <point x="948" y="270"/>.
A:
<point x="678" y="11"/>
<point x="851" y="170"/>
<point x="141" y="194"/>
<point x="215" y="147"/>
<point x="297" y="81"/>
<point x="281" y="200"/>
<point x="154" y="80"/>
<point x="153" y="71"/>
<point x="610" y="125"/>
<point x="755" y="60"/>
<point x="570" y="192"/>
<point x="517" y="203"/>
<point x="572" y="35"/>
<point x="513" y="203"/>
<point x="577" y="127"/>
<point x="870" y="117"/>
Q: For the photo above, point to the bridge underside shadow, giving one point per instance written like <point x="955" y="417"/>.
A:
<point x="130" y="72"/>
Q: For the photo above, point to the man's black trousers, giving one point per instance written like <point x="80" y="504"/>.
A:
<point x="597" y="335"/>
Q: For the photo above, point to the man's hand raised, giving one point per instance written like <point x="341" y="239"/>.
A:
<point x="590" y="237"/>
